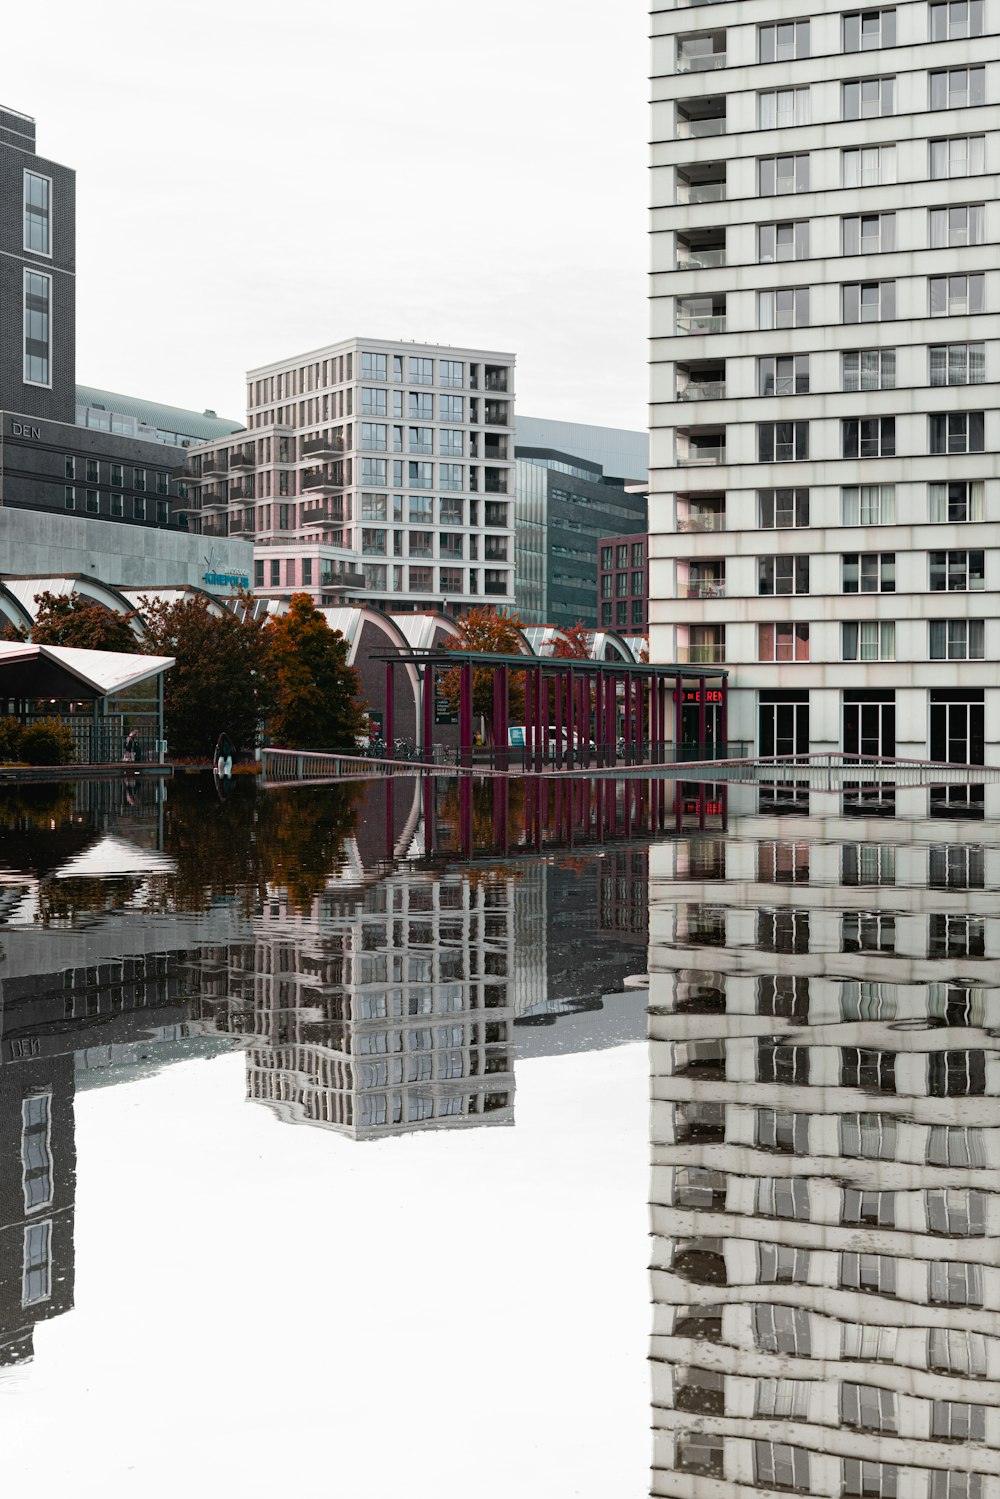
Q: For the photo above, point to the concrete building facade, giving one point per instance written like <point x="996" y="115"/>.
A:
<point x="370" y="471"/>
<point x="825" y="358"/>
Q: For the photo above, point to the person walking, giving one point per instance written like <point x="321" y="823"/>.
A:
<point x="224" y="751"/>
<point x="132" y="750"/>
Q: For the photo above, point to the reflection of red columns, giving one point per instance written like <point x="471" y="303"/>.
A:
<point x="541" y="718"/>
<point x="500" y="830"/>
<point x="465" y="712"/>
<point x="678" y="805"/>
<point x="702" y="719"/>
<point x="428" y="681"/>
<point x="428" y="814"/>
<point x="724" y="800"/>
<point x="529" y="718"/>
<point x="702" y="802"/>
<point x="660" y="710"/>
<point x="599" y="684"/>
<point x="465" y="814"/>
<point x="541" y="796"/>
<point x="390" y="818"/>
<point x="390" y="706"/>
<point x="640" y="736"/>
<point x="559" y="686"/>
<point x="530" y="793"/>
<point x="627" y="719"/>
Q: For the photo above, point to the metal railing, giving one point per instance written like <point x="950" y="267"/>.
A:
<point x="700" y="260"/>
<point x="706" y="390"/>
<point x="706" y="522"/>
<point x="694" y="129"/>
<point x="700" y="62"/>
<point x="706" y="588"/>
<point x="702" y="456"/>
<point x="694" y="323"/>
<point x="701" y="192"/>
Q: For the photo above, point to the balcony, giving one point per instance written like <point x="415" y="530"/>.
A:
<point x="494" y="481"/>
<point x="701" y="315"/>
<point x="495" y="452"/>
<point x="701" y="249"/>
<point x="701" y="183"/>
<point x="494" y="549"/>
<point x="701" y="380"/>
<point x="495" y="377"/>
<point x="214" y="465"/>
<point x="709" y="653"/>
<point x="495" y="514"/>
<point x="700" y="446"/>
<point x="241" y="489"/>
<point x="213" y="498"/>
<point x="701" y="51"/>
<point x="697" y="118"/>
<point x="343" y="582"/>
<point x="322" y="481"/>
<point x="241" y="459"/>
<point x="705" y="580"/>
<point x="322" y="448"/>
<point x="322" y="515"/>
<point x="496" y="414"/>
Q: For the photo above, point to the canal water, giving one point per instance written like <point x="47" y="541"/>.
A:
<point x="386" y="1139"/>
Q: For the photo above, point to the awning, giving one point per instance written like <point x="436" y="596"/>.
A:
<point x="58" y="671"/>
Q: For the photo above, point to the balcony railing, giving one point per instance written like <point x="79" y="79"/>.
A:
<point x="709" y="521"/>
<point x="242" y="460"/>
<point x="700" y="260"/>
<point x="703" y="390"/>
<point x="214" y="466"/>
<point x="322" y="447"/>
<point x="322" y="515"/>
<point x="696" y="129"/>
<point x="700" y="62"/>
<point x="694" y="323"/>
<point x="706" y="588"/>
<point x="315" y="481"/>
<point x="701" y="192"/>
<point x="496" y="381"/>
<point x="495" y="590"/>
<point x="241" y="491"/>
<point x="709" y="653"/>
<point x="702" y="456"/>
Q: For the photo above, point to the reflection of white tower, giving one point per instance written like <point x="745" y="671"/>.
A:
<point x="826" y="1100"/>
<point x="382" y="1009"/>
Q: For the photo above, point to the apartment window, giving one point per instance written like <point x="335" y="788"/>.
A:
<point x="783" y="42"/>
<point x="784" y="1131"/>
<point x="954" y="1421"/>
<point x="956" y="18"/>
<point x="373" y="542"/>
<point x="307" y="572"/>
<point x="782" y="442"/>
<point x="869" y="369"/>
<point x="452" y="372"/>
<point x="93" y="502"/>
<point x="374" y="472"/>
<point x="420" y="475"/>
<point x="865" y="1480"/>
<point x="451" y="443"/>
<point x="139" y="507"/>
<point x="36" y="1154"/>
<point x="868" y="437"/>
<point x="957" y="364"/>
<point x="868" y="233"/>
<point x="782" y="575"/>
<point x="37" y="328"/>
<point x="868" y="166"/>
<point x="451" y="512"/>
<point x="957" y="88"/>
<point x="871" y="1137"/>
<point x="782" y="1329"/>
<point x="118" y="505"/>
<point x="421" y="371"/>
<point x="862" y="1067"/>
<point x="957" y="866"/>
<point x="787" y="1399"/>
<point x="782" y="174"/>
<point x="421" y="579"/>
<point x="957" y="640"/>
<point x="275" y="573"/>
<point x="784" y="308"/>
<point x="951" y="1351"/>
<point x="374" y="366"/>
<point x="374" y="506"/>
<point x="867" y="98"/>
<point x="955" y="227"/>
<point x="868" y="572"/>
<point x="783" y="642"/>
<point x="867" y="1407"/>
<point x="69" y="497"/>
<point x="783" y="241"/>
<point x="961" y="500"/>
<point x="957" y="432"/>
<point x="451" y="476"/>
<point x="778" y="509"/>
<point x="783" y="375"/>
<point x="374" y="402"/>
<point x="781" y="107"/>
<point x="638" y="550"/>
<point x="36" y="1273"/>
<point x="421" y="407"/>
<point x="139" y="478"/>
<point x="421" y="544"/>
<point x="37" y="224"/>
<point x="958" y="156"/>
<point x="957" y="572"/>
<point x="780" y="1466"/>
<point x="868" y="504"/>
<point x="258" y="573"/>
<point x="868" y="1344"/>
<point x="955" y="1284"/>
<point x="374" y="436"/>
<point x="420" y="511"/>
<point x="961" y="936"/>
<point x="957" y="1212"/>
<point x="781" y="1063"/>
<point x="867" y="931"/>
<point x="868" y="1272"/>
<point x="868" y="301"/>
<point x="868" y="30"/>
<point x="956" y="1145"/>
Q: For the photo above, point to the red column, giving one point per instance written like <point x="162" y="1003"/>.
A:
<point x="559" y="682"/>
<point x="611" y="717"/>
<point x="428" y="814"/>
<point x="428" y="706"/>
<point x="390" y="706"/>
<point x="499" y="720"/>
<point x="390" y="819"/>
<point x="465" y="712"/>
<point x="465" y="814"/>
<point x="599" y="716"/>
<point x="702" y="719"/>
<point x="529" y="718"/>
<point x="641" y="717"/>
<point x="541" y="717"/>
<point x="627" y="731"/>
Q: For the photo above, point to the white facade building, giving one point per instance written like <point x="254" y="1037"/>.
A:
<point x="373" y="472"/>
<point x="825" y="358"/>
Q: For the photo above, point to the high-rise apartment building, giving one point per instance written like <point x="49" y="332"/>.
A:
<point x="371" y="471"/>
<point x="825" y="356"/>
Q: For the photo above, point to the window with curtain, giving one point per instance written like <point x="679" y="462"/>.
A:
<point x="867" y="98"/>
<point x="957" y="432"/>
<point x="868" y="233"/>
<point x="869" y="30"/>
<point x="956" y="296"/>
<point x="958" y="156"/>
<point x="783" y="241"/>
<point x="784" y="308"/>
<point x="869" y="369"/>
<point x="868" y="166"/>
<point x="779" y="108"/>
<point x="960" y="500"/>
<point x="868" y="301"/>
<point x="868" y="437"/>
<point x="958" y="226"/>
<point x="957" y="639"/>
<point x="957" y="364"/>
<point x="957" y="88"/>
<point x="777" y="175"/>
<point x="952" y="19"/>
<point x="784" y="641"/>
<point x="868" y="504"/>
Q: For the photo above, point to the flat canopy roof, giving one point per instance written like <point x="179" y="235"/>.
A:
<point x="440" y="656"/>
<point x="59" y="671"/>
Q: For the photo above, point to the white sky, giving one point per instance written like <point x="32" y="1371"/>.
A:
<point x="265" y="1309"/>
<point x="255" y="180"/>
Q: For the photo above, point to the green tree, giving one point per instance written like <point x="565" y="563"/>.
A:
<point x="70" y="619"/>
<point x="222" y="678"/>
<point x="316" y="693"/>
<point x="485" y="629"/>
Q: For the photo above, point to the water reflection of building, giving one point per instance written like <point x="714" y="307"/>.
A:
<point x="381" y="1009"/>
<point x="825" y="1125"/>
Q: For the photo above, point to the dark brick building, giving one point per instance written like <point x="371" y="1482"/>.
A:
<point x="623" y="583"/>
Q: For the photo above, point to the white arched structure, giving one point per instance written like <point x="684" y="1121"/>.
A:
<point x="27" y="589"/>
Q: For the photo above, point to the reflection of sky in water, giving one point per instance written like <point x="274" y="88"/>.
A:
<point x="437" y="1279"/>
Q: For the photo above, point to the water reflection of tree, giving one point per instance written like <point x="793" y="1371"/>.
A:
<point x="38" y="829"/>
<point x="484" y="830"/>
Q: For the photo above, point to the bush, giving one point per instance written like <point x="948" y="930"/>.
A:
<point x="11" y="735"/>
<point x="48" y="741"/>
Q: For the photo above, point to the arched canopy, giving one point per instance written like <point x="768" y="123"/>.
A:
<point x="607" y="646"/>
<point x="185" y="594"/>
<point x="27" y="589"/>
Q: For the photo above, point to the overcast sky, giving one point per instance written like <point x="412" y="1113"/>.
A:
<point x="257" y="180"/>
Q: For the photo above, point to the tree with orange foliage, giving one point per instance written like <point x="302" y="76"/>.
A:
<point x="316" y="692"/>
<point x="574" y="643"/>
<point x="486" y="629"/>
<point x="72" y="619"/>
